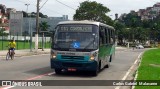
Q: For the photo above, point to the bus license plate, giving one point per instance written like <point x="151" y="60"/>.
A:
<point x="72" y="69"/>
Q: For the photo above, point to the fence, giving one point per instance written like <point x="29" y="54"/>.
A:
<point x="23" y="42"/>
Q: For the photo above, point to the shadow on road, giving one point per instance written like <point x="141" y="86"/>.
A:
<point x="83" y="74"/>
<point x="40" y="71"/>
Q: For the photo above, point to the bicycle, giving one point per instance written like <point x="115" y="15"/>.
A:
<point x="10" y="54"/>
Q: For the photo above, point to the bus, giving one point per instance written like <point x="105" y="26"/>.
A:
<point x="82" y="46"/>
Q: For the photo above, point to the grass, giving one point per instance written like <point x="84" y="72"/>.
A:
<point x="147" y="71"/>
<point x="23" y="45"/>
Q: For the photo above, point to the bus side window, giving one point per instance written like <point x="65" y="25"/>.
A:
<point x="112" y="37"/>
<point x="107" y="35"/>
<point x="102" y="36"/>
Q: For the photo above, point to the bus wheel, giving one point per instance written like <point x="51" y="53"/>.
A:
<point x="95" y="72"/>
<point x="107" y="66"/>
<point x="58" y="71"/>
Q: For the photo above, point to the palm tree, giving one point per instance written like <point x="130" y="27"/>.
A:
<point x="43" y="28"/>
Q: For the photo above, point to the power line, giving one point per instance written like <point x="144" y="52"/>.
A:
<point x="41" y="7"/>
<point x="65" y="5"/>
<point x="43" y="4"/>
<point x="54" y="11"/>
<point x="25" y="2"/>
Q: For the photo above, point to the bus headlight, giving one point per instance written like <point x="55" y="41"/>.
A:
<point x="53" y="55"/>
<point x="92" y="57"/>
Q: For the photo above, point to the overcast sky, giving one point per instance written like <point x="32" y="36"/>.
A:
<point x="56" y="9"/>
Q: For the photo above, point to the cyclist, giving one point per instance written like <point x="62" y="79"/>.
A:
<point x="12" y="45"/>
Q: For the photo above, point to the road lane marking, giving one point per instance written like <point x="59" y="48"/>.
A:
<point x="130" y="69"/>
<point x="7" y="87"/>
<point x="32" y="78"/>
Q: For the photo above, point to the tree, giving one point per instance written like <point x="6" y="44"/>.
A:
<point x="3" y="9"/>
<point x="132" y="20"/>
<point x="92" y="11"/>
<point x="120" y="31"/>
<point x="42" y="15"/>
<point x="2" y="33"/>
<point x="44" y="26"/>
<point x="25" y="14"/>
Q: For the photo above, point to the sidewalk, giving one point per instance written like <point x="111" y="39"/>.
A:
<point x="121" y="48"/>
<point x="26" y="52"/>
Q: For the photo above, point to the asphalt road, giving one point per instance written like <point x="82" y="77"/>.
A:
<point x="38" y="68"/>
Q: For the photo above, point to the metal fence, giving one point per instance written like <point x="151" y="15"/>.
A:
<point x="25" y="42"/>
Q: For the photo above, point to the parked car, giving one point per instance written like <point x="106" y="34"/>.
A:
<point x="139" y="46"/>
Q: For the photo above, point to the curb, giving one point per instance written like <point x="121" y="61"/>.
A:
<point x="127" y="74"/>
<point x="139" y="63"/>
<point x="27" y="54"/>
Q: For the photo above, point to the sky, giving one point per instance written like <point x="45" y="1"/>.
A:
<point x="53" y="8"/>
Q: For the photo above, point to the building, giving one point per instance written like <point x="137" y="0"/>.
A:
<point x="16" y="23"/>
<point x="52" y="21"/>
<point x="10" y="10"/>
<point x="149" y="12"/>
<point x="3" y="18"/>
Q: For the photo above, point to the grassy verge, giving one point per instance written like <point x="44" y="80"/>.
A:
<point x="22" y="45"/>
<point x="149" y="68"/>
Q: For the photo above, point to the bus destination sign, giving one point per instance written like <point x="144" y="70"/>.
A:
<point x="76" y="29"/>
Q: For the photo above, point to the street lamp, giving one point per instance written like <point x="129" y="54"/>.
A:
<point x="29" y="26"/>
<point x="27" y="7"/>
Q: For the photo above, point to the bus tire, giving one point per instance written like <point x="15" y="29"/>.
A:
<point x="58" y="71"/>
<point x="107" y="66"/>
<point x="95" y="72"/>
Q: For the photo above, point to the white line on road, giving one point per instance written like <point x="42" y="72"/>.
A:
<point x="130" y="69"/>
<point x="7" y="87"/>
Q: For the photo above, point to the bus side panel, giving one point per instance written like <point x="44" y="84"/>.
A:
<point x="112" y="52"/>
<point x="104" y="52"/>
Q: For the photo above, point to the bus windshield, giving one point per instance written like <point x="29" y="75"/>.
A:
<point x="79" y="37"/>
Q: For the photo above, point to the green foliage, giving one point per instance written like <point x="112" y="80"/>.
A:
<point x="24" y="14"/>
<point x="91" y="10"/>
<point x="132" y="20"/>
<point x="44" y="26"/>
<point x="2" y="33"/>
<point x="141" y="30"/>
<point x="120" y="31"/>
<point x="33" y="14"/>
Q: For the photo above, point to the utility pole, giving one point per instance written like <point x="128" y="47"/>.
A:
<point x="37" y="26"/>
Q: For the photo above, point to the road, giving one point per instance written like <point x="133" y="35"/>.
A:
<point x="38" y="68"/>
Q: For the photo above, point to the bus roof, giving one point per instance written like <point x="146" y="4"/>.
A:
<point x="85" y="22"/>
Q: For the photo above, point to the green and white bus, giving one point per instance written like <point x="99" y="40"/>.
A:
<point x="82" y="46"/>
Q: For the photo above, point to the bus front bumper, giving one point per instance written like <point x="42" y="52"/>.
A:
<point x="85" y="66"/>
